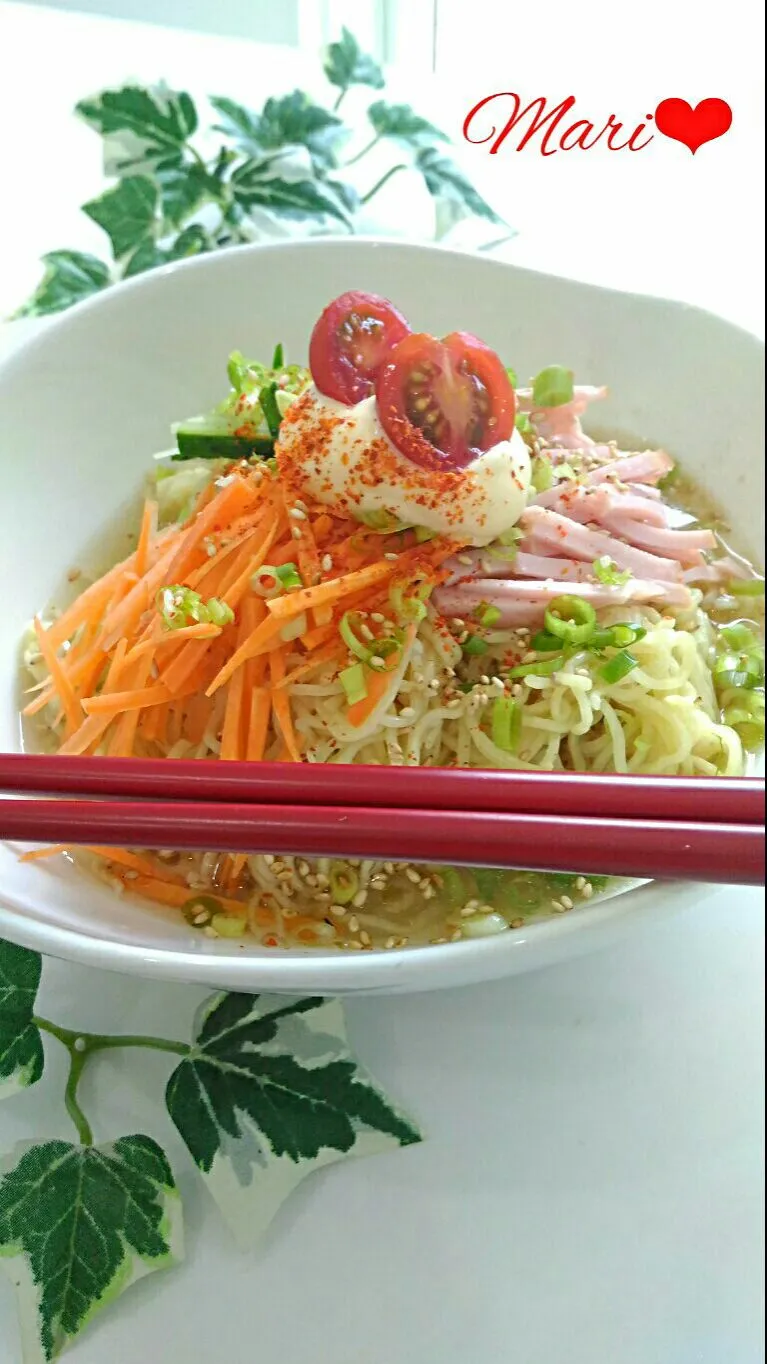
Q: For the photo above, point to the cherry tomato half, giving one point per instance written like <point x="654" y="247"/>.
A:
<point x="442" y="403"/>
<point x="349" y="343"/>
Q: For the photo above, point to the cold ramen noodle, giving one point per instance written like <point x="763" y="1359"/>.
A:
<point x="401" y="556"/>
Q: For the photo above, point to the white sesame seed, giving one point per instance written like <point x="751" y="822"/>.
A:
<point x="466" y="560"/>
<point x="580" y="882"/>
<point x="338" y="910"/>
<point x="458" y="623"/>
<point x="377" y="618"/>
<point x="391" y="557"/>
<point x="354" y="924"/>
<point x="567" y="902"/>
<point x="498" y="684"/>
<point x="407" y="712"/>
<point x="557" y="907"/>
<point x="327" y="563"/>
<point x="588" y="891"/>
<point x="297" y="514"/>
<point x="360" y="899"/>
<point x="296" y="533"/>
<point x="412" y="876"/>
<point x="390" y="942"/>
<point x="365" y="938"/>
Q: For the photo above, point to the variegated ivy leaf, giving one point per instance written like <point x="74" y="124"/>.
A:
<point x="254" y="186"/>
<point x="21" y="1047"/>
<point x="127" y="213"/>
<point x="142" y="129"/>
<point x="70" y="277"/>
<point x="79" y="1225"/>
<point x="346" y="64"/>
<point x="445" y="181"/>
<point x="269" y="1093"/>
<point x="402" y="123"/>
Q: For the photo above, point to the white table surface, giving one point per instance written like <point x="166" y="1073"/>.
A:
<point x="592" y="1183"/>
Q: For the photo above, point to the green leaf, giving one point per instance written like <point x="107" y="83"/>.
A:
<point x="78" y="1225"/>
<point x="346" y="64"/>
<point x="182" y="189"/>
<point x="142" y="127"/>
<point x="403" y="123"/>
<point x="193" y="241"/>
<point x="445" y="181"/>
<point x="70" y="276"/>
<point x="293" y="120"/>
<point x="270" y="1092"/>
<point x="237" y="122"/>
<point x="553" y="387"/>
<point x="126" y="213"/>
<point x="252" y="188"/>
<point x="21" y="1047"/>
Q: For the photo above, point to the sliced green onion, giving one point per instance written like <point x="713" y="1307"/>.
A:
<point x="353" y="682"/>
<point x="626" y="634"/>
<point x="226" y="926"/>
<point x="266" y="583"/>
<point x="619" y="666"/>
<point x="746" y="587"/>
<point x="474" y="646"/>
<point x="383" y="521"/>
<point x="606" y="571"/>
<point x="542" y="474"/>
<point x="237" y="370"/>
<point x="553" y="387"/>
<point x="523" y="423"/>
<point x="267" y="400"/>
<point x="344" y="883"/>
<point x="564" y="473"/>
<point x="511" y="374"/>
<point x="409" y="608"/>
<point x="220" y="613"/>
<point x="509" y="538"/>
<point x="278" y="359"/>
<point x="453" y="887"/>
<point x="179" y="605"/>
<point x="571" y="619"/>
<point x="200" y="909"/>
<point x="359" y="647"/>
<point x="740" y="670"/>
<point x="544" y="643"/>
<point x="738" y="635"/>
<point x="505" y="724"/>
<point x="543" y="667"/>
<point x="294" y="628"/>
<point x="289" y="576"/>
<point x="487" y="615"/>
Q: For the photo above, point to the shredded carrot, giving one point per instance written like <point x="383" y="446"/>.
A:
<point x="153" y="724"/>
<point x="197" y="717"/>
<point x="259" y="641"/>
<point x="332" y="650"/>
<point x="258" y="724"/>
<point x="314" y="639"/>
<point x="167" y="893"/>
<point x="121" y="742"/>
<point x="281" y="705"/>
<point x="377" y="684"/>
<point x="89" y="733"/>
<point x="146" y="536"/>
<point x="38" y="854"/>
<point x="293" y="603"/>
<point x="142" y="865"/>
<point x="163" y="637"/>
<point x="63" y="686"/>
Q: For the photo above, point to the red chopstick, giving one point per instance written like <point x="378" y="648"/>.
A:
<point x="609" y="796"/>
<point x="670" y="849"/>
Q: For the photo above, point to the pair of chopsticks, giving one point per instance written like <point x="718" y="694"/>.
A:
<point x="673" y="828"/>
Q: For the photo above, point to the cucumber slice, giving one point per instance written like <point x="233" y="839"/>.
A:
<point x="208" y="445"/>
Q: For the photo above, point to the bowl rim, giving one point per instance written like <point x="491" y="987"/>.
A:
<point x="288" y="969"/>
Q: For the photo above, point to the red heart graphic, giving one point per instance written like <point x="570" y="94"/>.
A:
<point x="709" y="119"/>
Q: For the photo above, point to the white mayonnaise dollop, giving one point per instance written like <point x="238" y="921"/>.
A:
<point x="340" y="456"/>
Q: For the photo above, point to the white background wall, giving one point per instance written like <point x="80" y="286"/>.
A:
<point x="661" y="220"/>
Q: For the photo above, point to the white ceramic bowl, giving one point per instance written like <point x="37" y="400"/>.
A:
<point x="85" y="405"/>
